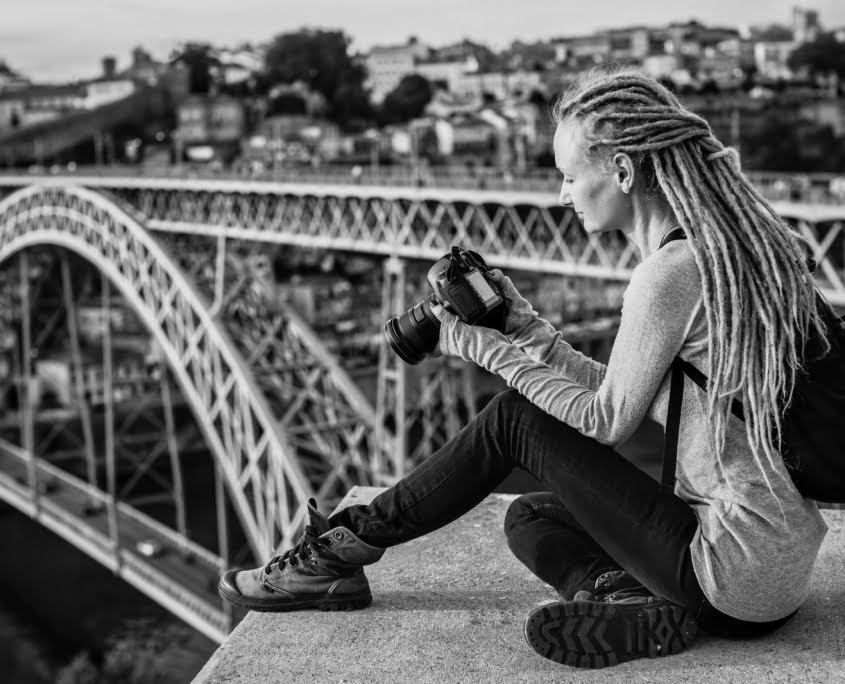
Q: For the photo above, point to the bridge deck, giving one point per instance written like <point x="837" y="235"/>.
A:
<point x="449" y="607"/>
<point x="182" y="576"/>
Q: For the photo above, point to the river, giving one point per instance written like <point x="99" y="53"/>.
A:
<point x="66" y="619"/>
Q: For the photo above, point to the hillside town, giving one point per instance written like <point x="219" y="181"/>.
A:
<point x="305" y="101"/>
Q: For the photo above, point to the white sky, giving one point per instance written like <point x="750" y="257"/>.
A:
<point x="64" y="39"/>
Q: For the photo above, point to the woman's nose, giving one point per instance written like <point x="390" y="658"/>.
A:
<point x="564" y="199"/>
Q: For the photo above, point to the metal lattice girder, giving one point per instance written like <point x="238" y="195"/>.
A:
<point x="264" y="478"/>
<point x="527" y="231"/>
<point x="517" y="230"/>
<point x="822" y="227"/>
<point x="329" y="422"/>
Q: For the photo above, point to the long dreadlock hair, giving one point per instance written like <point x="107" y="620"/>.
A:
<point x="759" y="295"/>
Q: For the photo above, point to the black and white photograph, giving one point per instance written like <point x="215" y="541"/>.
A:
<point x="373" y="342"/>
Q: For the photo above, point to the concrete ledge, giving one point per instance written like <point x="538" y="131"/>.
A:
<point x="449" y="607"/>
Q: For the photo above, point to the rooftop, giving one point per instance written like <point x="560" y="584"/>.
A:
<point x="450" y="606"/>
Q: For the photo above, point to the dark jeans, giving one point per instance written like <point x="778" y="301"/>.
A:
<point x="603" y="513"/>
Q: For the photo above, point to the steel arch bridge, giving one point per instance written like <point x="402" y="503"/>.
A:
<point x="267" y="393"/>
<point x="254" y="450"/>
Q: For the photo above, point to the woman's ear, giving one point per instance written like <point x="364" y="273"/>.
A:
<point x="623" y="172"/>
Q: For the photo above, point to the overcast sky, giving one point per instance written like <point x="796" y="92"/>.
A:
<point x="63" y="39"/>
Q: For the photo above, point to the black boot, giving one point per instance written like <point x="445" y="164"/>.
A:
<point x="324" y="570"/>
<point x="618" y="620"/>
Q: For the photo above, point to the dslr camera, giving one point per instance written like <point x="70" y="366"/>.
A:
<point x="461" y="284"/>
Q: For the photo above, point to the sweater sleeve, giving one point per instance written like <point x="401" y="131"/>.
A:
<point x="657" y="307"/>
<point x="541" y="341"/>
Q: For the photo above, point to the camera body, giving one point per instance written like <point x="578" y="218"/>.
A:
<point x="461" y="286"/>
<point x="460" y="283"/>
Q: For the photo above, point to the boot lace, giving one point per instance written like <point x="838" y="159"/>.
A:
<point x="614" y="586"/>
<point x="302" y="552"/>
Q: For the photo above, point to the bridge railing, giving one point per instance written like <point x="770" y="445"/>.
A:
<point x="826" y="188"/>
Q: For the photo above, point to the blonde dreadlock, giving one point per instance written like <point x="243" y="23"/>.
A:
<point x="759" y="295"/>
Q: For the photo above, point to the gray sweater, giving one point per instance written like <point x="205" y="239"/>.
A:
<point x="754" y="551"/>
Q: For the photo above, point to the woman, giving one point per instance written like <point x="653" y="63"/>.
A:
<point x="638" y="569"/>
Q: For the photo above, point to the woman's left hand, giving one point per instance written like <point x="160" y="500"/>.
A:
<point x="468" y="342"/>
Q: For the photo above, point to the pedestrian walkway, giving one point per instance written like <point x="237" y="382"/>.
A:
<point x="449" y="607"/>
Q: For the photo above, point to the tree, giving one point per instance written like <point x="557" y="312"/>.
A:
<point x="822" y="57"/>
<point x="201" y="63"/>
<point x="352" y="108"/>
<point x="287" y="103"/>
<point x="321" y="60"/>
<point x="407" y="100"/>
<point x="709" y="87"/>
<point x="781" y="140"/>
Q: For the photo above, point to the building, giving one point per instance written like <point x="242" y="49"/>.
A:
<point x="499" y="85"/>
<point x="723" y="69"/>
<point x="241" y="64"/>
<point x="446" y="74"/>
<point x="805" y="25"/>
<point x="11" y="80"/>
<point x="825" y="112"/>
<point x="771" y="58"/>
<point x="468" y="136"/>
<point x="387" y="64"/>
<point x="446" y="68"/>
<point x="12" y="111"/>
<point x="692" y="38"/>
<point x="294" y="138"/>
<point x="209" y="128"/>
<point x="105" y="91"/>
<point x="23" y="107"/>
<point x="631" y="44"/>
<point x="592" y="48"/>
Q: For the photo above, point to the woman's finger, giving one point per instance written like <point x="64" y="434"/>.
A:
<point x="440" y="312"/>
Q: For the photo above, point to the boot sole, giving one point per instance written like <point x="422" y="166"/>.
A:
<point x="325" y="602"/>
<point x="593" y="635"/>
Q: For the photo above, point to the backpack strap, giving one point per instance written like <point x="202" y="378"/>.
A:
<point x="681" y="368"/>
<point x="671" y="236"/>
<point x="673" y="425"/>
<point x="701" y="380"/>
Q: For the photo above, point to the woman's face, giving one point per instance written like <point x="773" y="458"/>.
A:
<point x="600" y="196"/>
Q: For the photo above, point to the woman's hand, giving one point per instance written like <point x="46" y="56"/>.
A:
<point x="468" y="342"/>
<point x="519" y="313"/>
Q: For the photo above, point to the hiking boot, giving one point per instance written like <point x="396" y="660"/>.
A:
<point x="619" y="620"/>
<point x="324" y="570"/>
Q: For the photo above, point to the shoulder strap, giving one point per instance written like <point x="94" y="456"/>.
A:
<point x="673" y="424"/>
<point x="701" y="380"/>
<point x="671" y="236"/>
<point x="680" y="368"/>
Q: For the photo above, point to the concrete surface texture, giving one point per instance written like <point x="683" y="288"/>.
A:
<point x="449" y="607"/>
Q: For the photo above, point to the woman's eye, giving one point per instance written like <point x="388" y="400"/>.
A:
<point x="567" y="180"/>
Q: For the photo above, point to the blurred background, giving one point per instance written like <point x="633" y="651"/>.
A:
<point x="208" y="118"/>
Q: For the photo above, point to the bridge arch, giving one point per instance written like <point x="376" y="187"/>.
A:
<point x="258" y="463"/>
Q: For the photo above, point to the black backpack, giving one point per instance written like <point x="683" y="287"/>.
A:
<point x="813" y="427"/>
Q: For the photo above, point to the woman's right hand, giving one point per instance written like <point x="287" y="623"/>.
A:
<point x="520" y="314"/>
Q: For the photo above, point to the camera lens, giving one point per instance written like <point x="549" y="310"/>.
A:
<point x="415" y="333"/>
